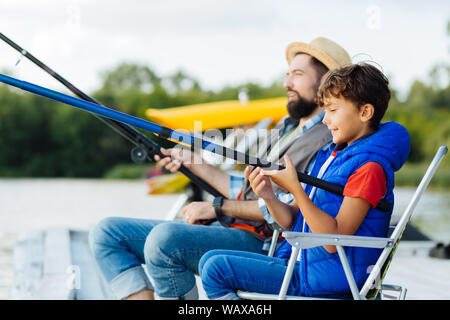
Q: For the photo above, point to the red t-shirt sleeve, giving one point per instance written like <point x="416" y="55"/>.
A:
<point x="368" y="182"/>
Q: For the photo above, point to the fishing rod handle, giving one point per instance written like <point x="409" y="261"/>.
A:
<point x="384" y="205"/>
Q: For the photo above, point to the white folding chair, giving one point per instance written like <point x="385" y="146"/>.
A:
<point x="373" y="284"/>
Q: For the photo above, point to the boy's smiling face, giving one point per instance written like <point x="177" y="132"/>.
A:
<point x="345" y="120"/>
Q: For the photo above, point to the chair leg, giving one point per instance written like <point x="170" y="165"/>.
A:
<point x="401" y="291"/>
<point x="348" y="273"/>
<point x="176" y="208"/>
<point x="288" y="274"/>
<point x="273" y="243"/>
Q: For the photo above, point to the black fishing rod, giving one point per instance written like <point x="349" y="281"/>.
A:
<point x="145" y="148"/>
<point x="173" y="135"/>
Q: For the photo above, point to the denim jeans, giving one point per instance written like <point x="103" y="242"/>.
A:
<point x="170" y="250"/>
<point x="223" y="272"/>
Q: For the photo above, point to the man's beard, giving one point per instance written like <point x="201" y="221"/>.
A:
<point x="300" y="108"/>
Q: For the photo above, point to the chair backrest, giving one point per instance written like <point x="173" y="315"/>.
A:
<point x="376" y="276"/>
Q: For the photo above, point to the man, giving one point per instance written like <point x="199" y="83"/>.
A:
<point x="171" y="250"/>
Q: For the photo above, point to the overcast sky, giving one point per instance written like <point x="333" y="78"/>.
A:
<point x="218" y="42"/>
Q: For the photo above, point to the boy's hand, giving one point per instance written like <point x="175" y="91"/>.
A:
<point x="286" y="178"/>
<point x="260" y="184"/>
<point x="175" y="158"/>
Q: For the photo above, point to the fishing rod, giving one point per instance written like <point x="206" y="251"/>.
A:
<point x="173" y="135"/>
<point x="145" y="148"/>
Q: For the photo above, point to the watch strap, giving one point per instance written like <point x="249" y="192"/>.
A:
<point x="217" y="205"/>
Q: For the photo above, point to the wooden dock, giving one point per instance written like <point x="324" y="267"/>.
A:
<point x="57" y="264"/>
<point x="425" y="278"/>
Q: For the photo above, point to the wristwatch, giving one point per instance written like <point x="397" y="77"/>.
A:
<point x="217" y="205"/>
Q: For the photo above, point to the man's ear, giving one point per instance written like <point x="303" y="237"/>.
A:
<point x="366" y="112"/>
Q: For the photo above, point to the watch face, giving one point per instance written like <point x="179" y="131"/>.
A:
<point x="217" y="204"/>
<point x="217" y="201"/>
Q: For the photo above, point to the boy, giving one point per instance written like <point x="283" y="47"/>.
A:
<point x="363" y="157"/>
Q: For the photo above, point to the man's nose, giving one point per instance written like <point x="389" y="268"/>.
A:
<point x="287" y="83"/>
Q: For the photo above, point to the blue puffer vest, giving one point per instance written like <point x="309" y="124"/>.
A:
<point x="321" y="273"/>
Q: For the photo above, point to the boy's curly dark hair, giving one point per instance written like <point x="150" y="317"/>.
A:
<point x="360" y="83"/>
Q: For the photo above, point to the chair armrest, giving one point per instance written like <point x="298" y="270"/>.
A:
<point x="305" y="240"/>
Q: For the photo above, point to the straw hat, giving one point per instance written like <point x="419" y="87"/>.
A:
<point x="326" y="51"/>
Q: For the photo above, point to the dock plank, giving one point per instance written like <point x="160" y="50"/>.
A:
<point x="92" y="285"/>
<point x="28" y="262"/>
<point x="424" y="277"/>
<point x="56" y="280"/>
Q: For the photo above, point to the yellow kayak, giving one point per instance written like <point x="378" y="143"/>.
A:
<point x="169" y="183"/>
<point x="217" y="115"/>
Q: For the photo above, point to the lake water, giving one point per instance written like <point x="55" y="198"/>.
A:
<point x="80" y="203"/>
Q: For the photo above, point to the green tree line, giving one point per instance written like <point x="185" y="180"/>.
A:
<point x="43" y="138"/>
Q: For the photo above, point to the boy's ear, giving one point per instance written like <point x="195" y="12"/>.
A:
<point x="366" y="112"/>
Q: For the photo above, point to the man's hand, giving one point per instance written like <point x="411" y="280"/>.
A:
<point x="196" y="211"/>
<point x="260" y="184"/>
<point x="175" y="158"/>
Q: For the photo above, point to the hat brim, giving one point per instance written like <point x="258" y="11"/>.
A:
<point x="301" y="47"/>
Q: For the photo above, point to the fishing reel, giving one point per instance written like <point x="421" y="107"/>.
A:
<point x="139" y="154"/>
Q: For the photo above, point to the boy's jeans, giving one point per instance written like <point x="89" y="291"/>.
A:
<point x="171" y="251"/>
<point x="223" y="272"/>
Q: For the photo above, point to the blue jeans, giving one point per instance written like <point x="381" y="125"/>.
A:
<point x="170" y="250"/>
<point x="223" y="272"/>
